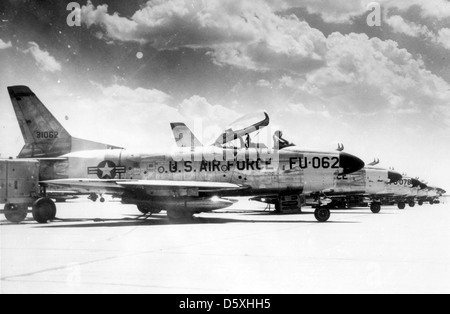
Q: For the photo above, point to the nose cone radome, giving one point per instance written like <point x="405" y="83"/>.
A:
<point x="394" y="176"/>
<point x="416" y="183"/>
<point x="350" y="163"/>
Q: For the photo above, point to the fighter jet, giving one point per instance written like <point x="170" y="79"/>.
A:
<point x="362" y="188"/>
<point x="430" y="194"/>
<point x="404" y="191"/>
<point x="184" y="182"/>
<point x="359" y="188"/>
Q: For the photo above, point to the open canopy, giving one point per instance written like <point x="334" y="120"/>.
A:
<point x="246" y="125"/>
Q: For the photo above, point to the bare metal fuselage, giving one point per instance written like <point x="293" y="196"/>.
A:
<point x="262" y="172"/>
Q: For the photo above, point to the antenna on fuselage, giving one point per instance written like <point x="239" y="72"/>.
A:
<point x="375" y="162"/>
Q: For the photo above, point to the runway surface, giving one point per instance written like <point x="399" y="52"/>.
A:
<point x="103" y="248"/>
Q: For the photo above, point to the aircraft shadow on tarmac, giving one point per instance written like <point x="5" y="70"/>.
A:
<point x="161" y="220"/>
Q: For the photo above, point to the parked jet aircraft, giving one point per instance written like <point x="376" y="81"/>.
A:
<point x="188" y="181"/>
<point x="404" y="191"/>
<point x="361" y="188"/>
<point x="364" y="187"/>
<point x="430" y="194"/>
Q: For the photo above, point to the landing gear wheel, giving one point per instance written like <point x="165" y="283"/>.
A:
<point x="375" y="208"/>
<point x="16" y="213"/>
<point x="44" y="210"/>
<point x="412" y="204"/>
<point x="102" y="200"/>
<point x="178" y="216"/>
<point x="322" y="214"/>
<point x="431" y="202"/>
<point x="401" y="206"/>
<point x="93" y="197"/>
<point x="420" y="203"/>
<point x="144" y="209"/>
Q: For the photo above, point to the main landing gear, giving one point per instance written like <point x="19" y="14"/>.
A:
<point x="44" y="210"/>
<point x="375" y="208"/>
<point x="94" y="197"/>
<point x="322" y="214"/>
<point x="147" y="210"/>
<point x="401" y="206"/>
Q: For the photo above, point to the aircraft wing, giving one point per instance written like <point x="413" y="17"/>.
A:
<point x="87" y="185"/>
<point x="117" y="186"/>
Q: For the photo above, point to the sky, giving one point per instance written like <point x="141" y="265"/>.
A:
<point x="321" y="72"/>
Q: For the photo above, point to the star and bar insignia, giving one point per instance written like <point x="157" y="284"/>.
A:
<point x="107" y="170"/>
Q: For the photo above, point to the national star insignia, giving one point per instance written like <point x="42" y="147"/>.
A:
<point x="106" y="170"/>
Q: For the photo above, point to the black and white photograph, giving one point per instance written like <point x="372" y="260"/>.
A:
<point x="210" y="148"/>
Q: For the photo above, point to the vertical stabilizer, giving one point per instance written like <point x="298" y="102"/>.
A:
<point x="44" y="136"/>
<point x="184" y="136"/>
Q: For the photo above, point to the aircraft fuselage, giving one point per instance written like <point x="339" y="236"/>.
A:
<point x="261" y="171"/>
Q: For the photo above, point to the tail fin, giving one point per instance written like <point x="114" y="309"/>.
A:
<point x="184" y="136"/>
<point x="44" y="136"/>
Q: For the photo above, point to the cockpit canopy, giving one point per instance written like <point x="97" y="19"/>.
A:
<point x="240" y="133"/>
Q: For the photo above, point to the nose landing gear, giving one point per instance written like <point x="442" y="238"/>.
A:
<point x="322" y="214"/>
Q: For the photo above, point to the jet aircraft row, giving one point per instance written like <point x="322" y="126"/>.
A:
<point x="198" y="177"/>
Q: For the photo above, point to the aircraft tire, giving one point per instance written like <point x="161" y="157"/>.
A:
<point x="102" y="200"/>
<point x="15" y="213"/>
<point x="412" y="204"/>
<point x="322" y="214"/>
<point x="420" y="203"/>
<point x="44" y="210"/>
<point x="431" y="202"/>
<point x="401" y="206"/>
<point x="375" y="208"/>
<point x="93" y="197"/>
<point x="144" y="209"/>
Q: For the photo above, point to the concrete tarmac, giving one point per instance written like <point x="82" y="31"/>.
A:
<point x="107" y="248"/>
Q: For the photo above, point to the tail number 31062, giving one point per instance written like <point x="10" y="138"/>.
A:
<point x="47" y="134"/>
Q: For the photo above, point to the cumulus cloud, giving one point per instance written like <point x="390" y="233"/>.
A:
<point x="137" y="96"/>
<point x="331" y="11"/>
<point x="444" y="37"/>
<point x="342" y="11"/>
<point x="43" y="59"/>
<point x="400" y="25"/>
<point x="439" y="9"/>
<point x="351" y="72"/>
<point x="5" y="45"/>
<point x="371" y="75"/>
<point x="139" y="119"/>
<point x="263" y="83"/>
<point x="209" y="120"/>
<point x="245" y="33"/>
